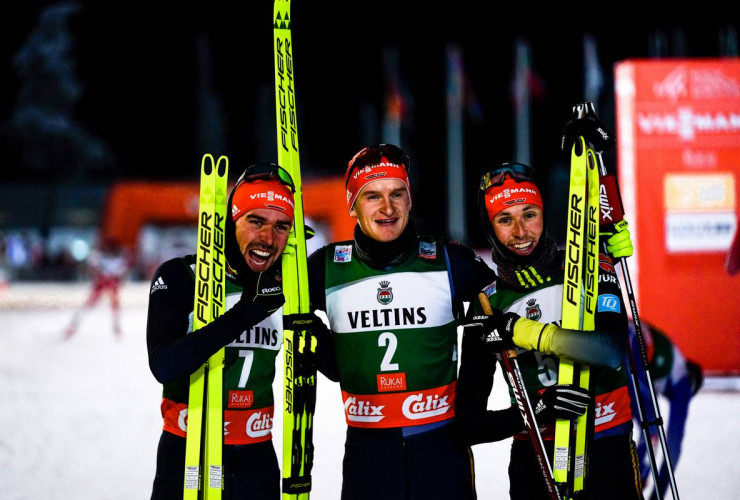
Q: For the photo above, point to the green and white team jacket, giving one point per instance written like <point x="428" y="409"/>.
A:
<point x="394" y="335"/>
<point x="542" y="301"/>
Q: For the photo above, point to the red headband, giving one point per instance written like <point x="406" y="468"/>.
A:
<point x="511" y="193"/>
<point x="272" y="195"/>
<point x="384" y="170"/>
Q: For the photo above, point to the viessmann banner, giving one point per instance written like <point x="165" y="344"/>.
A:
<point x="678" y="136"/>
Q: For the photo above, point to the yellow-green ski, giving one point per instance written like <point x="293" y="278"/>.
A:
<point x="215" y="377"/>
<point x="208" y="304"/>
<point x="591" y="281"/>
<point x="299" y="384"/>
<point x="580" y="293"/>
<point x="572" y="312"/>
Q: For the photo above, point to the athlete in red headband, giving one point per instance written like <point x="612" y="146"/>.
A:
<point x="391" y="297"/>
<point x="251" y="331"/>
<point x="529" y="286"/>
<point x="262" y="211"/>
<point x="515" y="211"/>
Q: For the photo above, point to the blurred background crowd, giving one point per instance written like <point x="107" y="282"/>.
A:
<point x="96" y="95"/>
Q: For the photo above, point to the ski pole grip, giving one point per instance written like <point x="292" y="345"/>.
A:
<point x="483" y="298"/>
<point x="584" y="122"/>
<point x="581" y="111"/>
<point x="486" y="306"/>
<point x="585" y="110"/>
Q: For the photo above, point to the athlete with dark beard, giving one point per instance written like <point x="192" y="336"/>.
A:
<point x="251" y="330"/>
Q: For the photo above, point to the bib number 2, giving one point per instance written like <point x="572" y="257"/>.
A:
<point x="390" y="342"/>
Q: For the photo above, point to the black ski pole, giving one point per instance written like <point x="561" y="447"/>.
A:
<point x="511" y="365"/>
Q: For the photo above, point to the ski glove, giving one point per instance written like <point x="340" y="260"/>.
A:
<point x="561" y="401"/>
<point x="267" y="292"/>
<point x="497" y="329"/>
<point x="619" y="244"/>
<point x="271" y="301"/>
<point x="592" y="130"/>
<point x="271" y="298"/>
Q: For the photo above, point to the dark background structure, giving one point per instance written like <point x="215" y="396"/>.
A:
<point x="97" y="92"/>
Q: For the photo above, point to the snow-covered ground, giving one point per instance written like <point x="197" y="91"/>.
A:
<point x="80" y="418"/>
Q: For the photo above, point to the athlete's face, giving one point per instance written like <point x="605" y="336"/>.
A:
<point x="382" y="209"/>
<point x="519" y="228"/>
<point x="262" y="235"/>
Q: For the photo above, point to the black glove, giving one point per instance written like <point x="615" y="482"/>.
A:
<point x="497" y="329"/>
<point x="271" y="301"/>
<point x="584" y="122"/>
<point x="561" y="401"/>
<point x="264" y="290"/>
<point x="260" y="298"/>
<point x="270" y="293"/>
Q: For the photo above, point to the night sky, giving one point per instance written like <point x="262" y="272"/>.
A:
<point x="142" y="84"/>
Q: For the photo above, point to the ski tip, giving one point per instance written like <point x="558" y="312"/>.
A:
<point x="207" y="163"/>
<point x="222" y="166"/>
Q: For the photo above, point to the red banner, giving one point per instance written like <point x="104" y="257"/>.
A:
<point x="240" y="426"/>
<point x="678" y="137"/>
<point x="400" y="409"/>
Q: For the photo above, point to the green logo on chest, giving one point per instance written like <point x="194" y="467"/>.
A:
<point x="385" y="293"/>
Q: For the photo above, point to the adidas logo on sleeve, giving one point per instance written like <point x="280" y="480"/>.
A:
<point x="491" y="338"/>
<point x="158" y="285"/>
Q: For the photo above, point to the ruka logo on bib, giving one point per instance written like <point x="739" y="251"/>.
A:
<point x="385" y="293"/>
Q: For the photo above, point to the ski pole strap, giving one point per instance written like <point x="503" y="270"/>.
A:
<point x="299" y="321"/>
